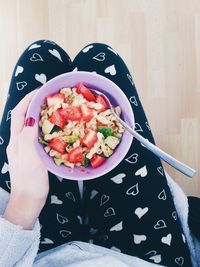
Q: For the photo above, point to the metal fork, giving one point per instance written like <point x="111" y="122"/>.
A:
<point x="185" y="169"/>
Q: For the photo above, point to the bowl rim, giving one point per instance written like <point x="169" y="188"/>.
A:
<point x="51" y="166"/>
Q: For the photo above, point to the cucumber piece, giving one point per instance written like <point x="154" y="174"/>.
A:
<point x="41" y="141"/>
<point x="70" y="139"/>
<point x="102" y="155"/>
<point x="47" y="126"/>
<point x="58" y="162"/>
<point x="112" y="141"/>
<point x="106" y="131"/>
<point x="55" y="129"/>
<point x="86" y="160"/>
<point x="118" y="135"/>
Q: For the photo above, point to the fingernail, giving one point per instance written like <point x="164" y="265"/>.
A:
<point x="29" y="122"/>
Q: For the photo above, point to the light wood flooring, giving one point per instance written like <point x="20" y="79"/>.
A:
<point x="159" y="40"/>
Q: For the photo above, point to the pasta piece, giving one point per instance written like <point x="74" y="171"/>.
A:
<point x="67" y="91"/>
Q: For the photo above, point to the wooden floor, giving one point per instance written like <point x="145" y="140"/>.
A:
<point x="159" y="40"/>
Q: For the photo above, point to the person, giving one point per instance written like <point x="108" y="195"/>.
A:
<point x="135" y="215"/>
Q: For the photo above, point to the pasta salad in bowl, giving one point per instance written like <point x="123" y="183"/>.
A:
<point x="78" y="136"/>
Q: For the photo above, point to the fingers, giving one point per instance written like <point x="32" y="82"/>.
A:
<point x="18" y="114"/>
<point x="30" y="130"/>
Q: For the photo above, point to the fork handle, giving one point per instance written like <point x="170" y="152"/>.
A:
<point x="185" y="169"/>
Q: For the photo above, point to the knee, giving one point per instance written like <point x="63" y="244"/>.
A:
<point x="39" y="43"/>
<point x="101" y="46"/>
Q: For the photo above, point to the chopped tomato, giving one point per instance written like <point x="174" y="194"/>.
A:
<point x="99" y="123"/>
<point x="76" y="155"/>
<point x="58" y="144"/>
<point x="55" y="99"/>
<point x="85" y="92"/>
<point x="89" y="139"/>
<point x="96" y="161"/>
<point x="71" y="113"/>
<point x="57" y="119"/>
<point x="87" y="113"/>
<point x="100" y="99"/>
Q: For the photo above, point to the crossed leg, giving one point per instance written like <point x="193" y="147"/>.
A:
<point x="59" y="219"/>
<point x="131" y="209"/>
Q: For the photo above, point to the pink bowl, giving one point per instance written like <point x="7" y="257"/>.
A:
<point x="116" y="96"/>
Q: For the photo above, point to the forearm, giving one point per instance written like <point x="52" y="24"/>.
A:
<point x="23" y="210"/>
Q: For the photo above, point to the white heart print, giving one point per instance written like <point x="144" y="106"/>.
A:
<point x="115" y="249"/>
<point x="104" y="199"/>
<point x="179" y="261"/>
<point x="65" y="233"/>
<point x="111" y="70"/>
<point x="130" y="78"/>
<point x="174" y="215"/>
<point x="5" y="168"/>
<point x="1" y="141"/>
<point x="167" y="239"/>
<point x="140" y="212"/>
<point x="109" y="212"/>
<point x="47" y="241"/>
<point x="133" y="100"/>
<point x="8" y="184"/>
<point x="100" y="57"/>
<point x="112" y="50"/>
<point x="55" y="200"/>
<point x="132" y="159"/>
<point x="93" y="231"/>
<point x="156" y="258"/>
<point x="36" y="57"/>
<point x="147" y="124"/>
<point x="118" y="227"/>
<point x="19" y="70"/>
<point x="21" y="85"/>
<point x="118" y="179"/>
<point x="41" y="78"/>
<point x="133" y="190"/>
<point x="142" y="172"/>
<point x="49" y="42"/>
<point x="70" y="195"/>
<point x="160" y="170"/>
<point x="55" y="53"/>
<point x="93" y="194"/>
<point x="86" y="49"/>
<point x="139" y="238"/>
<point x="160" y="224"/>
<point x="183" y="237"/>
<point x="33" y="46"/>
<point x="138" y="128"/>
<point x="59" y="178"/>
<point x="8" y="115"/>
<point x="61" y="219"/>
<point x="75" y="69"/>
<point x="162" y="195"/>
<point x="80" y="219"/>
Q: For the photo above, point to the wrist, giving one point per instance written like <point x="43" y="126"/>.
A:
<point x="23" y="210"/>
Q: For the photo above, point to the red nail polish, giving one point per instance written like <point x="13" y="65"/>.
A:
<point x="29" y="122"/>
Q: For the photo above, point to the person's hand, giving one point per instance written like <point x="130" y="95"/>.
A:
<point x="28" y="174"/>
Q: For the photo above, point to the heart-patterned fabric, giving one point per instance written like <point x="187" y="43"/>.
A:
<point x="130" y="209"/>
